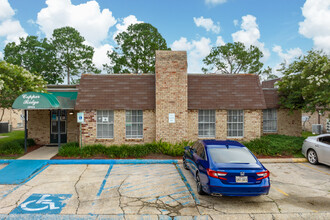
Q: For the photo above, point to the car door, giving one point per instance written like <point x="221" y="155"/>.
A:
<point x="201" y="163"/>
<point x="323" y="146"/>
<point x="190" y="158"/>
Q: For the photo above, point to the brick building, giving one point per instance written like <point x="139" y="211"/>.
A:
<point x="170" y="105"/>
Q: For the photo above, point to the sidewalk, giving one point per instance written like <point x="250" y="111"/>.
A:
<point x="43" y="153"/>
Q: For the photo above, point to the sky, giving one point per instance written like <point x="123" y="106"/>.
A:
<point x="281" y="29"/>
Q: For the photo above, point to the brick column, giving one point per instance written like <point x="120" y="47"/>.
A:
<point x="171" y="95"/>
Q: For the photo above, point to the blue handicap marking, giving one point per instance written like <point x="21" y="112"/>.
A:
<point x="42" y="203"/>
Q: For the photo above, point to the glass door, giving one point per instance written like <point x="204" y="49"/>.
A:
<point x="54" y="126"/>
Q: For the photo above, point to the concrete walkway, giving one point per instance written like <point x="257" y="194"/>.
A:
<point x="42" y="153"/>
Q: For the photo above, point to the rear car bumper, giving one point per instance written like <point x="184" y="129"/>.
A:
<point x="240" y="189"/>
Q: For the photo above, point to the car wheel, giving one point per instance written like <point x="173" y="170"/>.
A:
<point x="312" y="157"/>
<point x="185" y="163"/>
<point x="200" y="190"/>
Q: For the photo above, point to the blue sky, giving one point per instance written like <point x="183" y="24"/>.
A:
<point x="282" y="29"/>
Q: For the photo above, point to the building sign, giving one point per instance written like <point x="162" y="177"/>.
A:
<point x="80" y="117"/>
<point x="105" y="119"/>
<point x="42" y="204"/>
<point x="31" y="100"/>
<point x="171" y="117"/>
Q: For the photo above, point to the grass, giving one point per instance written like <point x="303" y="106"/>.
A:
<point x="306" y="134"/>
<point x="12" y="146"/>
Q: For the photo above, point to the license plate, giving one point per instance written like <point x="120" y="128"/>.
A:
<point x="241" y="179"/>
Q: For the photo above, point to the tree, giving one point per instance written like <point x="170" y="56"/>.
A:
<point x="35" y="56"/>
<point x="72" y="54"/>
<point x="306" y="83"/>
<point x="234" y="58"/>
<point x="136" y="51"/>
<point x="14" y="81"/>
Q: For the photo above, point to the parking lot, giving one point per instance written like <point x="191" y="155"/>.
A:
<point x="162" y="191"/>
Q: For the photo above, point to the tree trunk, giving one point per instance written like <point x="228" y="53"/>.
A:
<point x="68" y="70"/>
<point x="2" y="114"/>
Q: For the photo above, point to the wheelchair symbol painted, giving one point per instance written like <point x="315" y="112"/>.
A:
<point x="42" y="203"/>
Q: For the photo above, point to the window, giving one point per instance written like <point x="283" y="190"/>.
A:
<point x="230" y="154"/>
<point x="270" y="120"/>
<point x="134" y="124"/>
<point x="104" y="124"/>
<point x="235" y="123"/>
<point x="206" y="123"/>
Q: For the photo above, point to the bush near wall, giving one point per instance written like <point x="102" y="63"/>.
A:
<point x="123" y="151"/>
<point x="269" y="145"/>
<point x="14" y="147"/>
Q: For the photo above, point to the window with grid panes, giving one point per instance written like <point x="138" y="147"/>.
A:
<point x="206" y="123"/>
<point x="235" y="123"/>
<point x="104" y="124"/>
<point x="270" y="120"/>
<point x="134" y="124"/>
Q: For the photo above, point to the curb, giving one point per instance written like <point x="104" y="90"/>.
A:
<point x="283" y="160"/>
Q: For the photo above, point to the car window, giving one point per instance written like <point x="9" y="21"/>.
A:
<point x="231" y="155"/>
<point x="194" y="146"/>
<point x="200" y="150"/>
<point x="325" y="139"/>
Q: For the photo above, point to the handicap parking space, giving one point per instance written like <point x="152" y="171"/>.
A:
<point x="158" y="191"/>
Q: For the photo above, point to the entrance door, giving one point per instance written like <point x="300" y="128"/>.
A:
<point x="54" y="128"/>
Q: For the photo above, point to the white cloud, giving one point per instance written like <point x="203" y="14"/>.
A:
<point x="235" y="22"/>
<point x="100" y="55"/>
<point x="208" y="24"/>
<point x="87" y="18"/>
<point x="220" y="41"/>
<point x="317" y="23"/>
<point x="250" y="35"/>
<point x="289" y="55"/>
<point x="215" y="2"/>
<point x="196" y="51"/>
<point x="6" y="12"/>
<point x="1" y="55"/>
<point x="126" y="22"/>
<point x="10" y="28"/>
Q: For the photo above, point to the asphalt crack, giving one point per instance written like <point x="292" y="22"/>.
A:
<point x="75" y="187"/>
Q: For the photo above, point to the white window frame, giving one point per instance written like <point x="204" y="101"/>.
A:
<point x="109" y="114"/>
<point x="269" y="116"/>
<point x="208" y="118"/>
<point x="134" y="120"/>
<point x="233" y="120"/>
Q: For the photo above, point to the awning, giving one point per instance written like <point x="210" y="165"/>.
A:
<point x="53" y="100"/>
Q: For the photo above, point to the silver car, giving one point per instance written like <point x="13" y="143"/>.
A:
<point x="317" y="149"/>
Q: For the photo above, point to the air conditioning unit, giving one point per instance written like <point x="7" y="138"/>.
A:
<point x="317" y="128"/>
<point x="328" y="126"/>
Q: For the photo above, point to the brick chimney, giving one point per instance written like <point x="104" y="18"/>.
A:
<point x="171" y="96"/>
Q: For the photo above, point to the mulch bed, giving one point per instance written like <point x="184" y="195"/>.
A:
<point x="150" y="156"/>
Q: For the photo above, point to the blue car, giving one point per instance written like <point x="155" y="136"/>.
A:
<point x="226" y="168"/>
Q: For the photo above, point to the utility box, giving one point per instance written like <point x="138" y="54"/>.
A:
<point x="4" y="127"/>
<point x="317" y="128"/>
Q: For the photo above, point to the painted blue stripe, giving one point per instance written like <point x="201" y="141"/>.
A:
<point x="187" y="184"/>
<point x="104" y="181"/>
<point x="99" y="161"/>
<point x="27" y="180"/>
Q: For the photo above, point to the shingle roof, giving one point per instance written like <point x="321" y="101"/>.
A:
<point x="116" y="92"/>
<point x="270" y="93"/>
<point x="215" y="91"/>
<point x="211" y="91"/>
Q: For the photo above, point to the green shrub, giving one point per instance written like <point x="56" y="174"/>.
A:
<point x="15" y="147"/>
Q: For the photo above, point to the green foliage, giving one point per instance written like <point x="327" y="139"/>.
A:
<point x="234" y="58"/>
<point x="36" y="56"/>
<point x="14" y="146"/>
<point x="305" y="84"/>
<point x="72" y="54"/>
<point x="122" y="151"/>
<point x="136" y="51"/>
<point x="14" y="81"/>
<point x="276" y="145"/>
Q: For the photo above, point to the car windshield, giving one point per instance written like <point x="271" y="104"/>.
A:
<point x="231" y="155"/>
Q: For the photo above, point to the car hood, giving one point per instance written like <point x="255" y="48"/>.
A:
<point x="219" y="166"/>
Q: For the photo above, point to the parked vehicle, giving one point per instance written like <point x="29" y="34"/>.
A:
<point x="226" y="168"/>
<point x="317" y="149"/>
